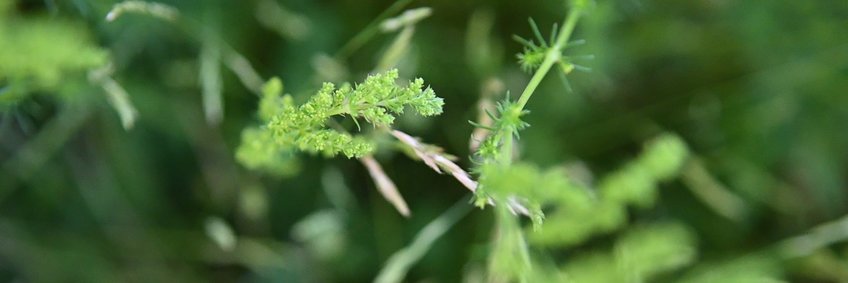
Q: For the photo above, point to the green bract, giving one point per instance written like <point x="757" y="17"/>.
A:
<point x="506" y="125"/>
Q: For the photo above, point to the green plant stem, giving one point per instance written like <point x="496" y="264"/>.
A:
<point x="721" y="200"/>
<point x="363" y="36"/>
<point x="396" y="50"/>
<point x="817" y="238"/>
<point x="553" y="56"/>
<point x="401" y="261"/>
<point x="506" y="149"/>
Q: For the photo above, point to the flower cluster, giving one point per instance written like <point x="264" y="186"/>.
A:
<point x="377" y="100"/>
<point x="289" y="127"/>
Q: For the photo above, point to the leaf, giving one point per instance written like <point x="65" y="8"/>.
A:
<point x="385" y="185"/>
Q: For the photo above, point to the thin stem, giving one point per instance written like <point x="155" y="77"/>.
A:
<point x="210" y="79"/>
<point x="120" y="101"/>
<point x="363" y="36"/>
<point x="553" y="56"/>
<point x="506" y="149"/>
<point x="712" y="192"/>
<point x="396" y="50"/>
<point x="820" y="236"/>
<point x="401" y="261"/>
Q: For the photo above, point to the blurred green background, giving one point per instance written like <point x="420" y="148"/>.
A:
<point x="757" y="89"/>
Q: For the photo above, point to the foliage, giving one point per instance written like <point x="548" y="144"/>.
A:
<point x="376" y="100"/>
<point x="638" y="256"/>
<point x="704" y="145"/>
<point x="581" y="212"/>
<point x="39" y="53"/>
